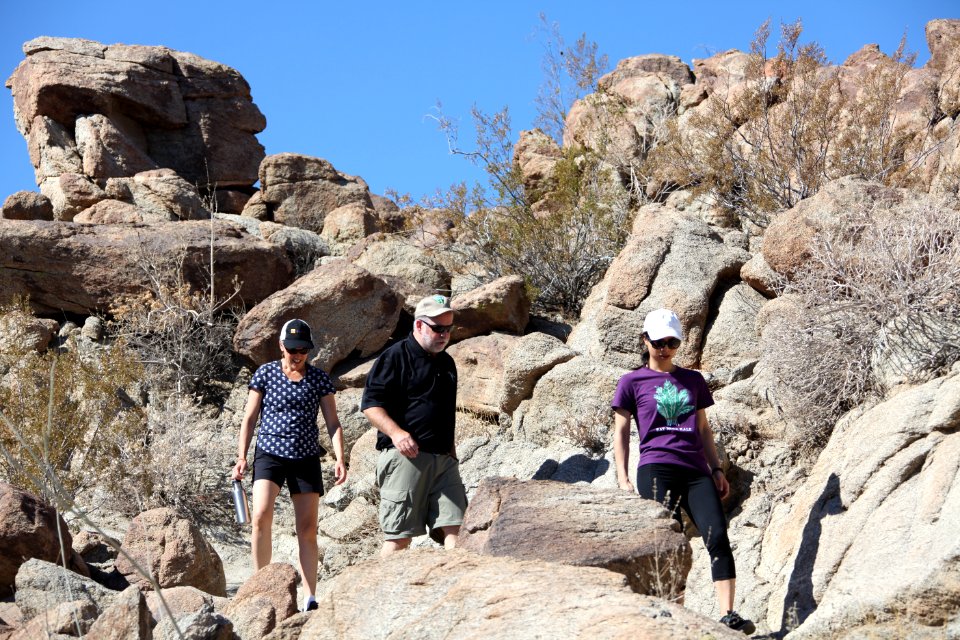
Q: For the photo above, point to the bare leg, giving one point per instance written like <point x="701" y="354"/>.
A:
<point x="305" y="507"/>
<point x="392" y="546"/>
<point x="726" y="590"/>
<point x="451" y="535"/>
<point x="261" y="541"/>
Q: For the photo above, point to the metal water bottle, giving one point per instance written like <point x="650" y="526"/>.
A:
<point x="240" y="502"/>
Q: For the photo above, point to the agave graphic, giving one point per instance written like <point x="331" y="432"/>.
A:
<point x="672" y="402"/>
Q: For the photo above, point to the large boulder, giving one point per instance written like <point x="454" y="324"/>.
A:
<point x="135" y="108"/>
<point x="28" y="529"/>
<point x="498" y="371"/>
<point x="160" y="195"/>
<point x="173" y="551"/>
<point x="82" y="268"/>
<point x="20" y="331"/>
<point x="536" y="154"/>
<point x="348" y="308"/>
<point x="65" y="619"/>
<point x="731" y="337"/>
<point x="42" y="585"/>
<point x="424" y="593"/>
<point x="408" y="269"/>
<point x="301" y="190"/>
<point x="501" y="305"/>
<point x="26" y="205"/>
<point x="884" y="493"/>
<point x="347" y="225"/>
<point x="672" y="259"/>
<point x="579" y="525"/>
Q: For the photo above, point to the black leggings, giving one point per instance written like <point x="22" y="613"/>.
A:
<point x="672" y="485"/>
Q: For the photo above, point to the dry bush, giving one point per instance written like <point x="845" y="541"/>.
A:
<point x="183" y="336"/>
<point x="69" y="414"/>
<point x="762" y="145"/>
<point x="592" y="432"/>
<point x="876" y="305"/>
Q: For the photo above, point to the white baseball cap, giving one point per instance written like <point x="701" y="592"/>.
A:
<point x="662" y="323"/>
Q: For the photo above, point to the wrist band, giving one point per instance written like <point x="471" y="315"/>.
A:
<point x="715" y="469"/>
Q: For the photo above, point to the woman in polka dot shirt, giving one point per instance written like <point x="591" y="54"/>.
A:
<point x="286" y="395"/>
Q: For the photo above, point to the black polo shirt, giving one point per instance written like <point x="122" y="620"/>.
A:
<point x="419" y="391"/>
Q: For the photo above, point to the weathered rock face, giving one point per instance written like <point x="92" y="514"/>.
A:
<point x="884" y="493"/>
<point x="28" y="529"/>
<point x="464" y="595"/>
<point x="673" y="260"/>
<point x="21" y="331"/>
<point x="537" y="154"/>
<point x="555" y="414"/>
<point x="579" y="525"/>
<point x="732" y="338"/>
<point x="82" y="268"/>
<point x="301" y="190"/>
<point x="66" y="618"/>
<point x="41" y="585"/>
<point x="127" y="618"/>
<point x="173" y="550"/>
<point x="347" y="307"/>
<point x="130" y="108"/>
<point x="347" y="225"/>
<point x="502" y="305"/>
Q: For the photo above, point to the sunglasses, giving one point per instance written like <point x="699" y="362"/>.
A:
<point x="298" y="352"/>
<point x="670" y="343"/>
<point x="439" y="328"/>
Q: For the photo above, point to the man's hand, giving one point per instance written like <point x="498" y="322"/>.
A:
<point x="405" y="444"/>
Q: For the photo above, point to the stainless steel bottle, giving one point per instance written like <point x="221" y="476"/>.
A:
<point x="240" y="502"/>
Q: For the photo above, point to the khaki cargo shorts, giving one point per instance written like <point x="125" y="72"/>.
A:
<point x="416" y="493"/>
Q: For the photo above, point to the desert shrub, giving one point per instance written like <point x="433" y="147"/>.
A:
<point x="591" y="432"/>
<point x="762" y="145"/>
<point x="182" y="335"/>
<point x="876" y="305"/>
<point x="67" y="418"/>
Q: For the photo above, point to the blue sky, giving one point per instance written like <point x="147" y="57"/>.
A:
<point x="353" y="83"/>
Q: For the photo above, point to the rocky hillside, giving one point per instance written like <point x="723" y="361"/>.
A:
<point x="818" y="298"/>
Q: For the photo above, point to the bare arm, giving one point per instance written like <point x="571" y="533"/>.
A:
<point x="710" y="453"/>
<point x="621" y="448"/>
<point x="250" y="415"/>
<point x="386" y="425"/>
<point x="328" y="407"/>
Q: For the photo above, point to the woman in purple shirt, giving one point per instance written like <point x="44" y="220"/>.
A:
<point x="679" y="466"/>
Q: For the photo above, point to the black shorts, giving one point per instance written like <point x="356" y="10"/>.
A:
<point x="301" y="474"/>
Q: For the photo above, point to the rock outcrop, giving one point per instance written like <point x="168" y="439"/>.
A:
<point x="82" y="268"/>
<point x="110" y="111"/>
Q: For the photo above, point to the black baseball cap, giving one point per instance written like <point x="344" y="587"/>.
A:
<point x="296" y="335"/>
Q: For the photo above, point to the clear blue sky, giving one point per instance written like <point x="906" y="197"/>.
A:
<point x="352" y="82"/>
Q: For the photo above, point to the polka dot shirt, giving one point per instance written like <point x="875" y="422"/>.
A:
<point x="288" y="413"/>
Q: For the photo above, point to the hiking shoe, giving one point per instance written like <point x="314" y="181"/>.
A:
<point x="735" y="622"/>
<point x="312" y="605"/>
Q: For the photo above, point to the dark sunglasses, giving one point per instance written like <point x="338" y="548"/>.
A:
<point x="671" y="343"/>
<point x="439" y="328"/>
<point x="298" y="352"/>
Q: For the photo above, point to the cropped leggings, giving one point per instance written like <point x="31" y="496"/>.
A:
<point x="674" y="486"/>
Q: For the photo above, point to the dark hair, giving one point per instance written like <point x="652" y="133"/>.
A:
<point x="644" y="352"/>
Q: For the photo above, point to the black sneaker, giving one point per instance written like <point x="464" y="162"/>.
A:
<point x="735" y="622"/>
<point x="312" y="606"/>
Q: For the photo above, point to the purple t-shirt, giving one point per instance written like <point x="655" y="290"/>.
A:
<point x="664" y="406"/>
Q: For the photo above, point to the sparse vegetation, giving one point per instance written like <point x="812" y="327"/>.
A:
<point x="877" y="304"/>
<point x="592" y="432"/>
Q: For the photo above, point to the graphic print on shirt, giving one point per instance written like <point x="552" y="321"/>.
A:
<point x="672" y="403"/>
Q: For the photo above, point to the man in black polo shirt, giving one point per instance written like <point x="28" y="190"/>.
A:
<point x="411" y="398"/>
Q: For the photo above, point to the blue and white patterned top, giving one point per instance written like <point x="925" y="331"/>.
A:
<point x="288" y="413"/>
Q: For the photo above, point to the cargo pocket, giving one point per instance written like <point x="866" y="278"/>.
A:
<point x="394" y="510"/>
